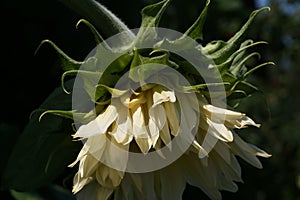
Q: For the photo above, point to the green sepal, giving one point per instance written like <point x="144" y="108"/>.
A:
<point x="96" y="34"/>
<point x="196" y="30"/>
<point x="115" y="70"/>
<point x="204" y="86"/>
<point x="89" y="65"/>
<point x="90" y="81"/>
<point x="67" y="62"/>
<point x="151" y="16"/>
<point x="83" y="118"/>
<point x="249" y="72"/>
<point x="238" y="67"/>
<point x="233" y="43"/>
<point x="224" y="67"/>
<point x="142" y="73"/>
<point x="113" y="91"/>
<point x="212" y="46"/>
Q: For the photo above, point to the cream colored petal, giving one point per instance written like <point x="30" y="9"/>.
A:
<point x="115" y="155"/>
<point x="108" y="177"/>
<point x="230" y="171"/>
<point x="157" y="121"/>
<point x="139" y="131"/>
<point x="172" y="117"/>
<point x="224" y="151"/>
<point x="125" y="191"/>
<point x="93" y="145"/>
<point x="99" y="125"/>
<point x="122" y="128"/>
<point x="172" y="188"/>
<point x="247" y="151"/>
<point x="220" y="131"/>
<point x="209" y="141"/>
<point x="201" y="176"/>
<point x="104" y="193"/>
<point x="165" y="135"/>
<point x="221" y="113"/>
<point x="93" y="191"/>
<point x="87" y="166"/>
<point x="88" y="130"/>
<point x="164" y="96"/>
<point x="79" y="183"/>
<point x="242" y="122"/>
<point x="143" y="185"/>
<point x="133" y="102"/>
<point x="188" y="116"/>
<point x="83" y="152"/>
<point x="189" y="120"/>
<point x="227" y="185"/>
<point x="201" y="151"/>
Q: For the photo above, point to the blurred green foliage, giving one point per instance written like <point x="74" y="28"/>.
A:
<point x="28" y="79"/>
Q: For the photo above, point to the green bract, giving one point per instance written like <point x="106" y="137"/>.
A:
<point x="41" y="163"/>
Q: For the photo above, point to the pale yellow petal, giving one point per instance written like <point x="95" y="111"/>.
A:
<point x="132" y="103"/>
<point x="157" y="121"/>
<point x="115" y="155"/>
<point x="209" y="141"/>
<point x="165" y="135"/>
<point x="247" y="151"/>
<point x="122" y="128"/>
<point x="188" y="123"/>
<point x="172" y="190"/>
<point x="87" y="166"/>
<point x="94" y="191"/>
<point x="139" y="131"/>
<point x="172" y="117"/>
<point x="79" y="183"/>
<point x="108" y="177"/>
<point x="93" y="145"/>
<point x="164" y="96"/>
<point x="201" y="151"/>
<point x="220" y="131"/>
<point x="221" y="113"/>
<point x="99" y="125"/>
<point x="224" y="151"/>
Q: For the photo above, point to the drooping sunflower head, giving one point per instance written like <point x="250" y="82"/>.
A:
<point x="159" y="116"/>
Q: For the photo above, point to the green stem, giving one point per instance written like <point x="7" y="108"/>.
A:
<point x="104" y="20"/>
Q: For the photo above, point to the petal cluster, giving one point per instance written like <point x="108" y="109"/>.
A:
<point x="150" y="119"/>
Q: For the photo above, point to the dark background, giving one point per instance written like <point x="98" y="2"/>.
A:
<point x="28" y="78"/>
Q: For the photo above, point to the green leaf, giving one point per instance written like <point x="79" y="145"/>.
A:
<point x="195" y="31"/>
<point x="103" y="19"/>
<point x="25" y="195"/>
<point x="49" y="192"/>
<point x="44" y="149"/>
<point x="8" y="135"/>
<point x="67" y="62"/>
